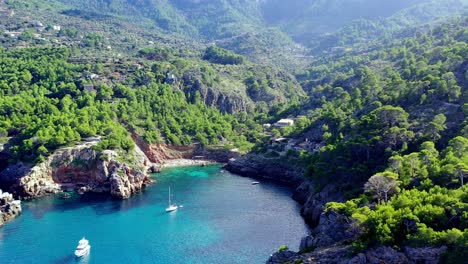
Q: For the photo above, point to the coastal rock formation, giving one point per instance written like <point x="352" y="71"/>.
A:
<point x="343" y="232"/>
<point x="258" y="166"/>
<point x="315" y="199"/>
<point x="83" y="169"/>
<point x="283" y="256"/>
<point x="123" y="186"/>
<point x="427" y="255"/>
<point x="340" y="254"/>
<point x="9" y="208"/>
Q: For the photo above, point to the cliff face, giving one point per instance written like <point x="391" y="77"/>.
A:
<point x="82" y="169"/>
<point x="9" y="208"/>
<point x="161" y="153"/>
<point x="213" y="96"/>
<point x="258" y="166"/>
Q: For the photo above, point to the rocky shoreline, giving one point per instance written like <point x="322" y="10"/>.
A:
<point x="332" y="234"/>
<point x="9" y="208"/>
<point x="83" y="169"/>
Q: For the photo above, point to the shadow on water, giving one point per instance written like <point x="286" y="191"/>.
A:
<point x="68" y="259"/>
<point x="102" y="204"/>
<point x="65" y="260"/>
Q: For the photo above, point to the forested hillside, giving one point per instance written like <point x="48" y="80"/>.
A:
<point x="44" y="105"/>
<point x="391" y="128"/>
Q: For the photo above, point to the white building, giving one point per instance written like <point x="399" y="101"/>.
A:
<point x="284" y="123"/>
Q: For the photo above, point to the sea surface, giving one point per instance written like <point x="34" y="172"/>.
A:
<point x="224" y="219"/>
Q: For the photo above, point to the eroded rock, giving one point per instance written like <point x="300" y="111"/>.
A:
<point x="83" y="169"/>
<point x="9" y="207"/>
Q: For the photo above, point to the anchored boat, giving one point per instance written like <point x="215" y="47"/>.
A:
<point x="83" y="248"/>
<point x="172" y="206"/>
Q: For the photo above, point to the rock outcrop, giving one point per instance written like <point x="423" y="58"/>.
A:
<point x="340" y="254"/>
<point x="427" y="255"/>
<point x="258" y="166"/>
<point x="9" y="208"/>
<point x="83" y="169"/>
<point x="212" y="96"/>
<point x="283" y="256"/>
<point x="344" y="231"/>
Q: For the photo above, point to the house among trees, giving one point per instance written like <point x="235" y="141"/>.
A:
<point x="92" y="76"/>
<point x="284" y="123"/>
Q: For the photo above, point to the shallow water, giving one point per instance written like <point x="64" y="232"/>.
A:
<point x="224" y="219"/>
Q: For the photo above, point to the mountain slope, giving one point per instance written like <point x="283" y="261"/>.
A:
<point x="307" y="19"/>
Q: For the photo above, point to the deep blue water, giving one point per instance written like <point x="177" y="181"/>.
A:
<point x="225" y="219"/>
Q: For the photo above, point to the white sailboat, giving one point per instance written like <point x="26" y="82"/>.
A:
<point x="83" y="248"/>
<point x="172" y="206"/>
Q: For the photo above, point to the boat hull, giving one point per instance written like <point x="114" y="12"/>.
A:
<point x="170" y="209"/>
<point x="82" y="252"/>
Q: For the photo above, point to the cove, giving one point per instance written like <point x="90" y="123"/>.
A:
<point x="224" y="219"/>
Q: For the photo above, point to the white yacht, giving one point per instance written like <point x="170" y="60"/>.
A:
<point x="172" y="206"/>
<point x="83" y="248"/>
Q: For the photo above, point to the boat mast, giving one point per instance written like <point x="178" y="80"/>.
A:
<point x="169" y="195"/>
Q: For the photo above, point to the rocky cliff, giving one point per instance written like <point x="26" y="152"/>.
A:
<point x="259" y="166"/>
<point x="83" y="169"/>
<point x="9" y="208"/>
<point x="225" y="101"/>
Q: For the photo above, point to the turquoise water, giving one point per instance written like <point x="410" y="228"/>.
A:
<point x="225" y="219"/>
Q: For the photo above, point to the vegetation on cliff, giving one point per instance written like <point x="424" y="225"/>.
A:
<point x="44" y="105"/>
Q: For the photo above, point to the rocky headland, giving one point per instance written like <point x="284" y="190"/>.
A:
<point x="332" y="233"/>
<point x="83" y="169"/>
<point x="9" y="207"/>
